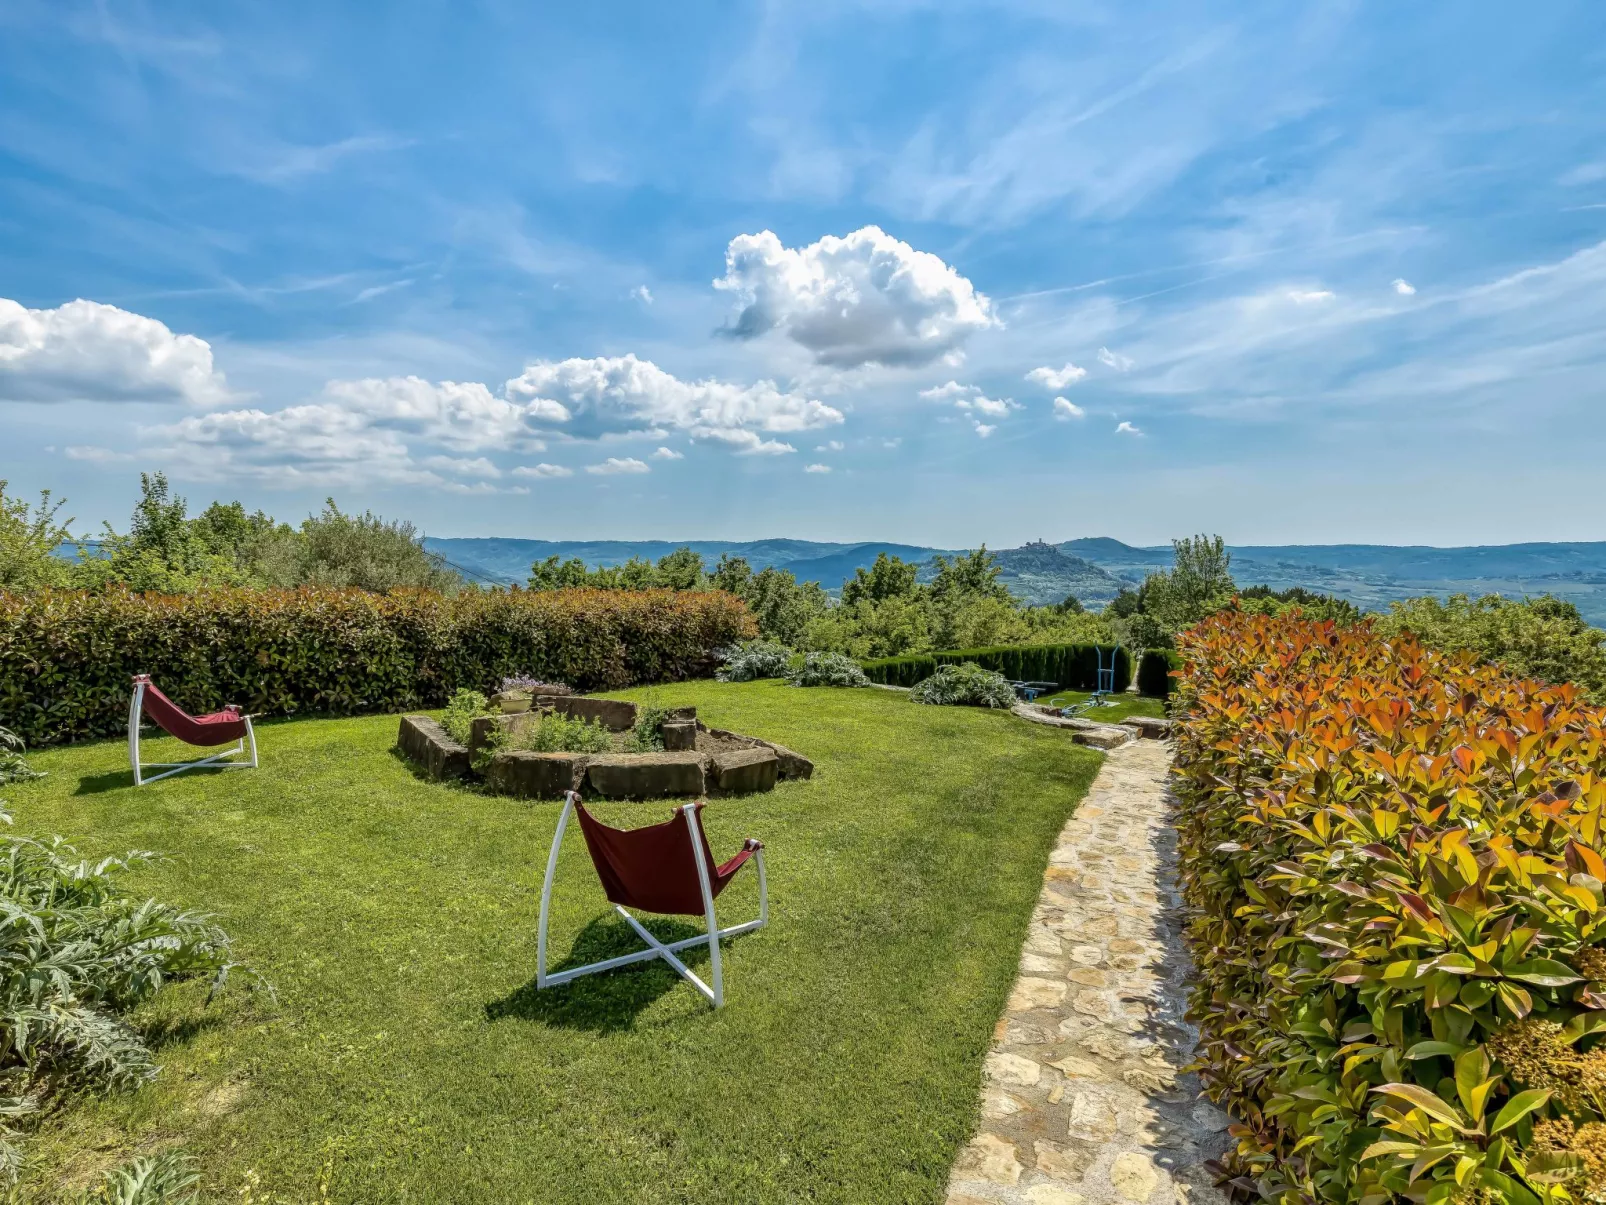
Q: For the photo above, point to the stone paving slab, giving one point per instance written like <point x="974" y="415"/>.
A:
<point x="1082" y="1099"/>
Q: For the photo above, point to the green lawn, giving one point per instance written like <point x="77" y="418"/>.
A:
<point x="1125" y="705"/>
<point x="407" y="1056"/>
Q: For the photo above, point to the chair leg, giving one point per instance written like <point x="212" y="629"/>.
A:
<point x="541" y="977"/>
<point x="135" y="705"/>
<point x="718" y="996"/>
<point x="251" y="735"/>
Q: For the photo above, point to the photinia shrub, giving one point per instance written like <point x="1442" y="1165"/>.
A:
<point x="66" y="657"/>
<point x="1393" y="864"/>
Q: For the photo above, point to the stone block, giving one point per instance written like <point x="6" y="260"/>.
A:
<point x="535" y="775"/>
<point x="646" y="775"/>
<point x="744" y="771"/>
<point x="426" y="744"/>
<point x="1099" y="736"/>
<point x="679" y="735"/>
<point x="613" y="714"/>
<point x="792" y="765"/>
<point x="682" y="713"/>
<point x="1149" y="727"/>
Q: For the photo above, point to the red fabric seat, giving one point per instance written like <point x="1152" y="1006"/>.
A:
<point x="654" y="869"/>
<point x="219" y="728"/>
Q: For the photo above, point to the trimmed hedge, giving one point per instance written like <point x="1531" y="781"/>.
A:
<point x="1392" y="860"/>
<point x="1073" y="666"/>
<point x="66" y="657"/>
<point x="1154" y="672"/>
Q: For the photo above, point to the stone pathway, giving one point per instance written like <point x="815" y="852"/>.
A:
<point x="1082" y="1101"/>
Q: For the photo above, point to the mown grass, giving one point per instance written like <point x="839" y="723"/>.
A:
<point x="407" y="1056"/>
<point x="1123" y="705"/>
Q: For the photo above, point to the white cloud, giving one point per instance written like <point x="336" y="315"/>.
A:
<point x="970" y="399"/>
<point x="642" y="294"/>
<point x="615" y="465"/>
<point x="816" y="468"/>
<point x="462" y="415"/>
<point x="621" y="394"/>
<point x="984" y="429"/>
<point x="85" y="351"/>
<point x="834" y="445"/>
<point x="96" y="455"/>
<point x="542" y="470"/>
<point x="1065" y="408"/>
<point x="1308" y="296"/>
<point x="1404" y="288"/>
<point x="1125" y="428"/>
<point x="1114" y="360"/>
<point x="867" y="298"/>
<point x="461" y="466"/>
<point x="316" y="444"/>
<point x="745" y="443"/>
<point x="668" y="454"/>
<point x="1056" y="378"/>
<point x="1585" y="173"/>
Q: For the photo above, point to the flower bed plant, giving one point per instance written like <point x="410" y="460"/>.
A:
<point x="753" y="660"/>
<point x="826" y="669"/>
<point x="1394" y="864"/>
<point x="965" y="685"/>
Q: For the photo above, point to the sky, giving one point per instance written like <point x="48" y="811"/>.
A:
<point x="935" y="273"/>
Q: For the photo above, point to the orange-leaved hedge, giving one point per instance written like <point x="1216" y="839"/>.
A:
<point x="1393" y="864"/>
<point x="66" y="657"/>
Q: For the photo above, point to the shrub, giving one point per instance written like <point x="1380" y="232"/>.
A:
<point x="555" y="733"/>
<point x="647" y="734"/>
<point x="66" y="657"/>
<point x="1154" y="672"/>
<point x="1393" y="864"/>
<point x="900" y="671"/>
<point x="464" y="708"/>
<point x="826" y="669"/>
<point x="753" y="660"/>
<point x="965" y="685"/>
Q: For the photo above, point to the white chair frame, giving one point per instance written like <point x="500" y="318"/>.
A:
<point x="217" y="761"/>
<point x="655" y="948"/>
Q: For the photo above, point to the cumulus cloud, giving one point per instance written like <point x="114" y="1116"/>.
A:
<point x="542" y="470"/>
<point x="985" y="429"/>
<point x="85" y="351"/>
<point x="970" y="399"/>
<point x="615" y="465"/>
<point x="463" y="466"/>
<point x="867" y="298"/>
<point x="1404" y="288"/>
<point x="1125" y="428"/>
<point x="321" y="443"/>
<point x="621" y="394"/>
<point x="1114" y="360"/>
<point x="1056" y="378"/>
<point x="1065" y="408"/>
<point x="816" y="468"/>
<point x="668" y="454"/>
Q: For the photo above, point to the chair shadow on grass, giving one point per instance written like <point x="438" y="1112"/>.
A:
<point x="612" y="1000"/>
<point x="116" y="780"/>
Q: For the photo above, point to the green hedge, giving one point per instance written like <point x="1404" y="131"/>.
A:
<point x="66" y="657"/>
<point x="1073" y="666"/>
<point x="1154" y="672"/>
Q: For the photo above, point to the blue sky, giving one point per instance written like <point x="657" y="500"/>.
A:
<point x="940" y="273"/>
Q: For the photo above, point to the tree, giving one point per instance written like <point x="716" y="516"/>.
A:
<point x="968" y="575"/>
<point x="1199" y="583"/>
<point x="370" y="553"/>
<point x="29" y="537"/>
<point x="889" y="577"/>
<point x="682" y="569"/>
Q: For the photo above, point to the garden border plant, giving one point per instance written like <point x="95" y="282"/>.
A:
<point x="1393" y="864"/>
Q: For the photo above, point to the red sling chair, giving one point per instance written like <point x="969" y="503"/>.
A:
<point x="664" y="868"/>
<point x="207" y="731"/>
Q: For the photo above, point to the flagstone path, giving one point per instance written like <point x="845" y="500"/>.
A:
<point x="1082" y="1099"/>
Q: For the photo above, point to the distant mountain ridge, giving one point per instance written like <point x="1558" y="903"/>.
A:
<point x="1095" y="568"/>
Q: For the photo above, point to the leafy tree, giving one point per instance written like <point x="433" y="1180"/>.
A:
<point x="1311" y="603"/>
<point x="889" y="577"/>
<point x="966" y="576"/>
<point x="1199" y="583"/>
<point x="1127" y="603"/>
<point x="552" y="575"/>
<point x="781" y="606"/>
<point x="368" y="552"/>
<point x="29" y="536"/>
<point x="1541" y="637"/>
<point x="682" y="569"/>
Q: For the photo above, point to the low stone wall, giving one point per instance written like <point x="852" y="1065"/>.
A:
<point x="696" y="760"/>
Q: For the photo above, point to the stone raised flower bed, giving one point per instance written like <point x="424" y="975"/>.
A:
<point x="696" y="760"/>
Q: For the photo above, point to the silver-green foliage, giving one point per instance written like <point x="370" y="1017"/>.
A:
<point x="755" y="659"/>
<point x="826" y="669"/>
<point x="165" y="1179"/>
<point x="968" y="685"/>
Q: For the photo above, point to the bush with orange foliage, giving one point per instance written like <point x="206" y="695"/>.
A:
<point x="1393" y="865"/>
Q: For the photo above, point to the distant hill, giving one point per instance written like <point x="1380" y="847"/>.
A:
<point x="1095" y="568"/>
